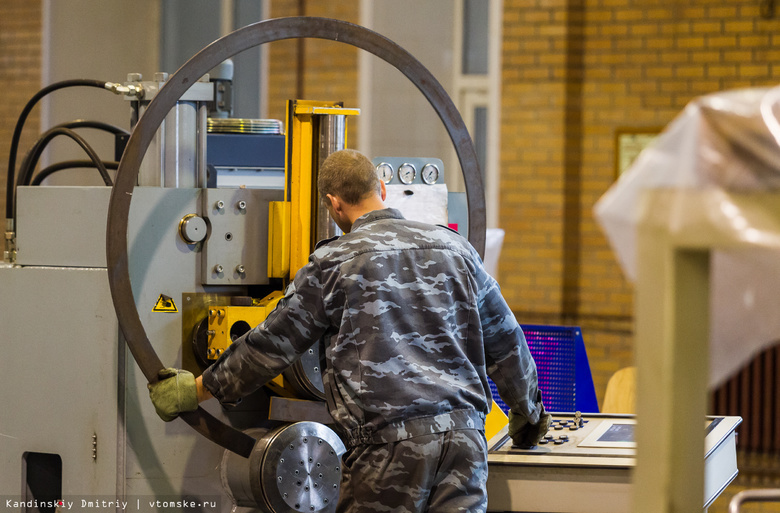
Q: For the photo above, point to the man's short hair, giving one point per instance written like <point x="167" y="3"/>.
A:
<point x="349" y="175"/>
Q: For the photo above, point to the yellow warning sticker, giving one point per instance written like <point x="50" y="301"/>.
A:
<point x="165" y="304"/>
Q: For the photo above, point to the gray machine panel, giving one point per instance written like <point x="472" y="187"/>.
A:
<point x="66" y="226"/>
<point x="62" y="226"/>
<point x="64" y="363"/>
<point x="236" y="252"/>
<point x="60" y="369"/>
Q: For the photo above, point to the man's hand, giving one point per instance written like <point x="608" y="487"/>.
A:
<point x="174" y="393"/>
<point x="523" y="433"/>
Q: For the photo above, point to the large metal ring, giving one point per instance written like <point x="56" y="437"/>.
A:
<point x="215" y="53"/>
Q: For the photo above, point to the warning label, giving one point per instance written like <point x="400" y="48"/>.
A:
<point x="165" y="304"/>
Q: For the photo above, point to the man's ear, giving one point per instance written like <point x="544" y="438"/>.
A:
<point x="335" y="203"/>
<point x="384" y="190"/>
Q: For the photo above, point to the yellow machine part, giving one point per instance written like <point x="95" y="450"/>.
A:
<point x="495" y="421"/>
<point x="279" y="239"/>
<point x="223" y="318"/>
<point x="291" y="222"/>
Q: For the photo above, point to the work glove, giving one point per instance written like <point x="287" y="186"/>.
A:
<point x="523" y="433"/>
<point x="174" y="393"/>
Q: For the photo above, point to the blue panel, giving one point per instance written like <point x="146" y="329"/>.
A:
<point x="245" y="150"/>
<point x="562" y="365"/>
<point x="585" y="399"/>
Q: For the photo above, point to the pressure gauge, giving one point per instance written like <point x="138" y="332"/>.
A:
<point x="406" y="173"/>
<point x="430" y="173"/>
<point x="385" y="172"/>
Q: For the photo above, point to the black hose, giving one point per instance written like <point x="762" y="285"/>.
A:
<point x="10" y="190"/>
<point x="31" y="160"/>
<point x="98" y="125"/>
<point x="79" y="123"/>
<point x="69" y="164"/>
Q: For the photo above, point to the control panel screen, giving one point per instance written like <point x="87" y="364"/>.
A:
<point x="618" y="433"/>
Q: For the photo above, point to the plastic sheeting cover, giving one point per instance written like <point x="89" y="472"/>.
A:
<point x="727" y="142"/>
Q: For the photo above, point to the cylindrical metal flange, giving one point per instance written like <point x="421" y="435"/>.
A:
<point x="221" y="49"/>
<point x="305" y="376"/>
<point x="294" y="468"/>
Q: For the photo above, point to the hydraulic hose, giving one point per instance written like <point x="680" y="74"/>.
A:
<point x="9" y="191"/>
<point x="30" y="161"/>
<point x="98" y="125"/>
<point x="79" y="123"/>
<point x="70" y="164"/>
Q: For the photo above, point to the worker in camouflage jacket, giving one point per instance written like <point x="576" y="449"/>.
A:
<point x="411" y="325"/>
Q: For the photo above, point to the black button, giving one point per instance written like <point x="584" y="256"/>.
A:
<point x="558" y="442"/>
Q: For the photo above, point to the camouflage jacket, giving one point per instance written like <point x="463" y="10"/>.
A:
<point x="412" y="325"/>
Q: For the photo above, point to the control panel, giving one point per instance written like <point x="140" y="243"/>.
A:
<point x="590" y="457"/>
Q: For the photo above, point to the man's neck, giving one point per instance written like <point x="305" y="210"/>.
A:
<point x="353" y="212"/>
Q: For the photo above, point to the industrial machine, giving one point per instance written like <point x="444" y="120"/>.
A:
<point x="205" y="223"/>
<point x="586" y="463"/>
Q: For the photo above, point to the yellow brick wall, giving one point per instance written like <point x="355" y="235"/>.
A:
<point x="329" y="68"/>
<point x="20" y="78"/>
<point x="574" y="73"/>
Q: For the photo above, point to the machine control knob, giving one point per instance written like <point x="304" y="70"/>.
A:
<point x="193" y="228"/>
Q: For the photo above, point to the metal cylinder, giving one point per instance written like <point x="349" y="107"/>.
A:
<point x="304" y="377"/>
<point x="200" y="170"/>
<point x="293" y="468"/>
<point x="332" y="138"/>
<point x="151" y="169"/>
<point x="176" y="156"/>
<point x="181" y="146"/>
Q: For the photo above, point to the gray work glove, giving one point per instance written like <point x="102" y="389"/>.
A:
<point x="174" y="393"/>
<point x="523" y="433"/>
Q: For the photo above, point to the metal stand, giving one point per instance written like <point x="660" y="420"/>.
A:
<point x="677" y="232"/>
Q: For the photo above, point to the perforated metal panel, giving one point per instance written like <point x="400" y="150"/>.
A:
<point x="562" y="366"/>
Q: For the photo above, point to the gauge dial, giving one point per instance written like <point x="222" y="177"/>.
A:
<point x="406" y="173"/>
<point x="430" y="173"/>
<point x="385" y="172"/>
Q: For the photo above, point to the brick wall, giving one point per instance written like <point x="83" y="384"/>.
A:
<point x="20" y="77"/>
<point x="575" y="71"/>
<point x="326" y="72"/>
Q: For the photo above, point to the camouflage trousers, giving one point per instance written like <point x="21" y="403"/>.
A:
<point x="442" y="472"/>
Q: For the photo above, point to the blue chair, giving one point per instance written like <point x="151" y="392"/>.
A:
<point x="562" y="365"/>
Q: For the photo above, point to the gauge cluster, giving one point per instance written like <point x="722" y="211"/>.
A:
<point x="408" y="171"/>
